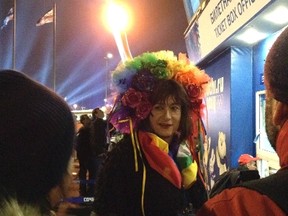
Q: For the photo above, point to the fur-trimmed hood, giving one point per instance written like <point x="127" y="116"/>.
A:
<point x="13" y="208"/>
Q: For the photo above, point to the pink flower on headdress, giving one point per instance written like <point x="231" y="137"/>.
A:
<point x="131" y="98"/>
<point x="143" y="110"/>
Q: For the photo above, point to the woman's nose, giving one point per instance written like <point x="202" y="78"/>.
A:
<point x="167" y="113"/>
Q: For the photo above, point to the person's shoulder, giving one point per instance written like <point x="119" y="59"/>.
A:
<point x="80" y="130"/>
<point x="121" y="155"/>
<point x="240" y="201"/>
<point x="123" y="144"/>
<point x="84" y="130"/>
<point x="224" y="181"/>
<point x="98" y="122"/>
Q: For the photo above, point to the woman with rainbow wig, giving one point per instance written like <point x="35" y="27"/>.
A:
<point x="154" y="168"/>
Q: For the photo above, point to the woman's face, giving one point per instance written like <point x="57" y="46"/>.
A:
<point x="165" y="119"/>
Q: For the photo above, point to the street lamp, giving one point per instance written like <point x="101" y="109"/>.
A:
<point x="118" y="19"/>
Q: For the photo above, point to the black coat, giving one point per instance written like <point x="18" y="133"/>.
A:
<point x="83" y="146"/>
<point x="98" y="136"/>
<point x="119" y="187"/>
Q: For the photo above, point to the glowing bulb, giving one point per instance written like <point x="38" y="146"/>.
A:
<point x="117" y="17"/>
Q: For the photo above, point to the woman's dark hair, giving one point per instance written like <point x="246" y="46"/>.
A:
<point x="164" y="89"/>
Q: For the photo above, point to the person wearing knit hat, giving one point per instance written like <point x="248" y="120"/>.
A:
<point x="36" y="141"/>
<point x="266" y="196"/>
<point x="153" y="169"/>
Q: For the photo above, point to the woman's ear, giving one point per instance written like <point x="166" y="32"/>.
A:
<point x="280" y="113"/>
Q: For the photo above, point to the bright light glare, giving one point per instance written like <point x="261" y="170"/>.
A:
<point x="75" y="106"/>
<point x="278" y="16"/>
<point x="251" y="36"/>
<point x="109" y="55"/>
<point x="117" y="17"/>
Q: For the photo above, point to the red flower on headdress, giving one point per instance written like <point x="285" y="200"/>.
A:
<point x="193" y="91"/>
<point x="143" y="110"/>
<point x="132" y="98"/>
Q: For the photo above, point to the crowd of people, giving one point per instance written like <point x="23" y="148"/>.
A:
<point x="91" y="144"/>
<point x="154" y="168"/>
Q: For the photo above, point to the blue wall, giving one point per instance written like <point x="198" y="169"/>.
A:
<point x="236" y="114"/>
<point x="242" y="117"/>
<point x="231" y="111"/>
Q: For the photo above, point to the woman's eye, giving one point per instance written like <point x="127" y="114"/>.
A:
<point x="158" y="107"/>
<point x="175" y="108"/>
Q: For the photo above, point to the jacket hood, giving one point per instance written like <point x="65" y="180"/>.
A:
<point x="13" y="208"/>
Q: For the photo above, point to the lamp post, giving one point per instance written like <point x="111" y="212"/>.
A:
<point x="107" y="59"/>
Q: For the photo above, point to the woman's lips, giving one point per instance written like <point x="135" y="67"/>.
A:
<point x="166" y="126"/>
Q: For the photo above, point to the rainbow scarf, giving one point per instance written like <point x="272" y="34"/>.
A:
<point x="181" y="172"/>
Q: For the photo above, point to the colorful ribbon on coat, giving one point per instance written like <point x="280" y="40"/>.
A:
<point x="182" y="173"/>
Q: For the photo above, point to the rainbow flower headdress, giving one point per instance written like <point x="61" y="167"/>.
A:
<point x="134" y="80"/>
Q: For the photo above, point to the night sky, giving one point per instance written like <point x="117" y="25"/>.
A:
<point x="82" y="42"/>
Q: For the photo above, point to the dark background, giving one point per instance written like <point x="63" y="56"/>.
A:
<point x="82" y="42"/>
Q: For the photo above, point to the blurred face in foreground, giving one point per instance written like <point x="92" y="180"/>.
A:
<point x="165" y="119"/>
<point x="272" y="129"/>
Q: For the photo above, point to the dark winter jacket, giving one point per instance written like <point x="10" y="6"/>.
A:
<point x="119" y="189"/>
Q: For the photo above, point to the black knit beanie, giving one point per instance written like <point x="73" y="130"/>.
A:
<point x="36" y="136"/>
<point x="276" y="68"/>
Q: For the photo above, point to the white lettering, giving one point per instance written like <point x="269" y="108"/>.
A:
<point x="88" y="199"/>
